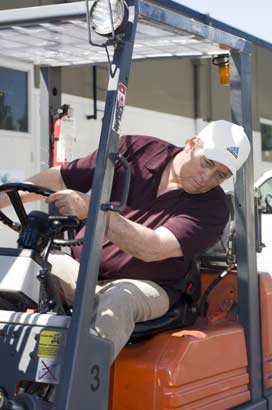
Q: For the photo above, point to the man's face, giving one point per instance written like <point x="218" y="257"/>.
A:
<point x="199" y="174"/>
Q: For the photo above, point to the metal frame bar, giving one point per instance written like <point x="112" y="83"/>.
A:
<point x="50" y="101"/>
<point x="170" y="16"/>
<point x="155" y="14"/>
<point x="42" y="14"/>
<point x="249" y="304"/>
<point x="88" y="358"/>
<point x="93" y="116"/>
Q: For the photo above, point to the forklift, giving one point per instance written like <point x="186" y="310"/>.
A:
<point x="212" y="351"/>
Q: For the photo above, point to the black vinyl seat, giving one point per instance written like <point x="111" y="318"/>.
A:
<point x="183" y="313"/>
<point x="180" y="315"/>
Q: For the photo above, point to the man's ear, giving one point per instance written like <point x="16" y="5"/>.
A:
<point x="191" y="143"/>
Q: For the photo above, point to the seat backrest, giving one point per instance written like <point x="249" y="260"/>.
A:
<point x="191" y="287"/>
<point x="220" y="250"/>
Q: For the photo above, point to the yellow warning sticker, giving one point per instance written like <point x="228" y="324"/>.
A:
<point x="49" y="344"/>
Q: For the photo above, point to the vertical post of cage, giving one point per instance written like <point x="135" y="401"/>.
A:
<point x="88" y="357"/>
<point x="248" y="287"/>
<point x="50" y="101"/>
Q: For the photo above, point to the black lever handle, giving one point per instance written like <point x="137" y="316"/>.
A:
<point x="117" y="156"/>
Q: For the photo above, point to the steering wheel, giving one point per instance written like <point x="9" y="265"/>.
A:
<point x="12" y="190"/>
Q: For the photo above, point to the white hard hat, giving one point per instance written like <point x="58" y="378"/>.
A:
<point x="226" y="143"/>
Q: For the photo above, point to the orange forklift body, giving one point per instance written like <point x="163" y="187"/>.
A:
<point x="265" y="283"/>
<point x="203" y="367"/>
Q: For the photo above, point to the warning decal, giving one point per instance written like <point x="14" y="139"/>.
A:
<point x="48" y="371"/>
<point x="120" y="105"/>
<point x="49" y="344"/>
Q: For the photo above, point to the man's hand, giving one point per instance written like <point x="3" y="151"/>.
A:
<point x="70" y="202"/>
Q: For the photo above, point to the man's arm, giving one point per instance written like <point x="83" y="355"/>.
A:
<point x="142" y="242"/>
<point x="135" y="239"/>
<point x="50" y="178"/>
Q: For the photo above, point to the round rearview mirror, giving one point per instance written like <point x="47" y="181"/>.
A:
<point x="268" y="203"/>
<point x="108" y="17"/>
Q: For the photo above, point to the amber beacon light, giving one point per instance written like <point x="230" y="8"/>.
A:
<point x="222" y="62"/>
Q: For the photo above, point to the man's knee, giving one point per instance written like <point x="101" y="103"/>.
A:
<point x="144" y="300"/>
<point x="116" y="295"/>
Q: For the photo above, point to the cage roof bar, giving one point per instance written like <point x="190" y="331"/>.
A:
<point x="56" y="35"/>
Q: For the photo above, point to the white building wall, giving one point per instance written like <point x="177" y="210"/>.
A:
<point x="23" y="152"/>
<point x="173" y="128"/>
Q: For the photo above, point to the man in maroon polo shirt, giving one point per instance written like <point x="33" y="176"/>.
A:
<point x="175" y="210"/>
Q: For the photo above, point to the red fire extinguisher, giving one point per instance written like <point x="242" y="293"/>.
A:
<point x="57" y="151"/>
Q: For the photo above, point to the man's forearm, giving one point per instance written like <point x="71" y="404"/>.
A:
<point x="50" y="178"/>
<point x="133" y="238"/>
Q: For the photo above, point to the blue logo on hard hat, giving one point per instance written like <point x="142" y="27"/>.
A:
<point x="234" y="151"/>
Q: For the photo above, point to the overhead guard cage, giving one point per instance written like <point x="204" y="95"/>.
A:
<point x="56" y="36"/>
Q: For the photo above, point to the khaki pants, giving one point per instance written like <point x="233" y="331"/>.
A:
<point x="121" y="303"/>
